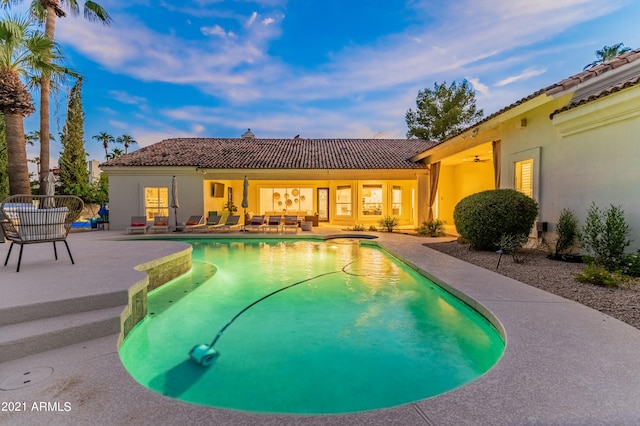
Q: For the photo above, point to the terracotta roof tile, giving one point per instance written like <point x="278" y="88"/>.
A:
<point x="245" y="153"/>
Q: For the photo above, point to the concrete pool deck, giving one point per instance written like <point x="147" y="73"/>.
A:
<point x="564" y="363"/>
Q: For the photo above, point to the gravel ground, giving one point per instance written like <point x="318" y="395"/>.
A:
<point x="555" y="277"/>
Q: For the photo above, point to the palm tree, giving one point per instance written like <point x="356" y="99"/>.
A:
<point x="48" y="11"/>
<point x="115" y="152"/>
<point x="106" y="139"/>
<point x="607" y="53"/>
<point x="127" y="140"/>
<point x="23" y="53"/>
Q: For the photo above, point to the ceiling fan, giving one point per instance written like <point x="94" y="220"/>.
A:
<point x="477" y="159"/>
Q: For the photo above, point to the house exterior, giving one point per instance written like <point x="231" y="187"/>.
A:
<point x="568" y="145"/>
<point x="341" y="181"/>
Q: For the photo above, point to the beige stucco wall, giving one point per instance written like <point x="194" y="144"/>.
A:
<point x="584" y="155"/>
<point x="126" y="195"/>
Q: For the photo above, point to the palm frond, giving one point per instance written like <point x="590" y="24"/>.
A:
<point x="93" y="12"/>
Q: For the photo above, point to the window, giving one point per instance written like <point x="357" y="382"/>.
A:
<point x="156" y="201"/>
<point x="524" y="177"/>
<point x="343" y="201"/>
<point x="372" y="200"/>
<point x="282" y="200"/>
<point x="396" y="201"/>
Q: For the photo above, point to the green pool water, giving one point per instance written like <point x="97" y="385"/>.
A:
<point x="370" y="333"/>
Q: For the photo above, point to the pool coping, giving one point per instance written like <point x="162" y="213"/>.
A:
<point x="564" y="363"/>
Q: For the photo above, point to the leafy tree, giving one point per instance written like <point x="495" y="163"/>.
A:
<point x="607" y="53"/>
<point x="127" y="141"/>
<point x="28" y="53"/>
<point x="106" y="139"/>
<point x="442" y="112"/>
<point x="74" y="176"/>
<point x="48" y="11"/>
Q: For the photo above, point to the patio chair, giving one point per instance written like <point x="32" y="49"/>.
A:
<point x="255" y="224"/>
<point x="231" y="223"/>
<point x="290" y="223"/>
<point x="213" y="220"/>
<point x="138" y="225"/>
<point x="32" y="219"/>
<point x="160" y="224"/>
<point x="194" y="223"/>
<point x="274" y="223"/>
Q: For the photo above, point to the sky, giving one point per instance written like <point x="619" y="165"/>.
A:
<point x="318" y="69"/>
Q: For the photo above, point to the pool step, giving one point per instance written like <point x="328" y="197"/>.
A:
<point x="27" y="338"/>
<point x="54" y="308"/>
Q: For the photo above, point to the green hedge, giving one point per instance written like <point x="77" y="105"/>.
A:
<point x="483" y="218"/>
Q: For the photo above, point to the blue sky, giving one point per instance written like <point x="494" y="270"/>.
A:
<point x="321" y="69"/>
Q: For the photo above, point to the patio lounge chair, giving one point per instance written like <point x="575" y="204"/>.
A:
<point x="290" y="223"/>
<point x="231" y="223"/>
<point x="213" y="220"/>
<point x="160" y="224"/>
<point x="32" y="219"/>
<point x="138" y="224"/>
<point x="274" y="223"/>
<point x="194" y="223"/>
<point x="255" y="224"/>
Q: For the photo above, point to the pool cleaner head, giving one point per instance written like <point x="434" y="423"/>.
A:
<point x="203" y="355"/>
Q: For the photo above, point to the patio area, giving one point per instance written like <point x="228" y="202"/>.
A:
<point x="564" y="363"/>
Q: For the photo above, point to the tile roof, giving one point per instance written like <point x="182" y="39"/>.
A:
<point x="571" y="82"/>
<point x="246" y="153"/>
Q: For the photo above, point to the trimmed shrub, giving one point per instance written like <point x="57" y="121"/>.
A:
<point x="389" y="223"/>
<point x="433" y="228"/>
<point x="605" y="235"/>
<point x="567" y="230"/>
<point x="512" y="244"/>
<point x="483" y="218"/>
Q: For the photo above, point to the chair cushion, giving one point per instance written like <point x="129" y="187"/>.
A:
<point x="138" y="224"/>
<point x="160" y="224"/>
<point x="192" y="222"/>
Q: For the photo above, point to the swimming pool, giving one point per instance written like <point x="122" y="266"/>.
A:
<point x="367" y="332"/>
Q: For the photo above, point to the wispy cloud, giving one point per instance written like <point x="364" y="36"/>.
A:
<point x="524" y="75"/>
<point x="217" y="30"/>
<point x="126" y="98"/>
<point x="479" y="87"/>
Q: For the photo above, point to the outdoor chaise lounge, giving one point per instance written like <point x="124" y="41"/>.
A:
<point x="212" y="221"/>
<point x="32" y="219"/>
<point x="194" y="223"/>
<point x="290" y="223"/>
<point x="274" y="223"/>
<point x="138" y="225"/>
<point x="255" y="224"/>
<point x="160" y="224"/>
<point x="230" y="223"/>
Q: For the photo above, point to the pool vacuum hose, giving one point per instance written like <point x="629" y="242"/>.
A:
<point x="205" y="354"/>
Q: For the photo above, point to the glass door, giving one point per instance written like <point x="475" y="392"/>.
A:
<point x="323" y="204"/>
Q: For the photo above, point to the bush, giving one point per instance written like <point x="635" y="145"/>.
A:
<point x="631" y="264"/>
<point x="567" y="230"/>
<point x="373" y="228"/>
<point x="432" y="228"/>
<point x="599" y="275"/>
<point x="512" y="244"/>
<point x="605" y="235"/>
<point x="483" y="218"/>
<point x="390" y="223"/>
<point x="358" y="227"/>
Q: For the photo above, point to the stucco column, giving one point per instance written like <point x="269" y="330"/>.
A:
<point x="422" y="198"/>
